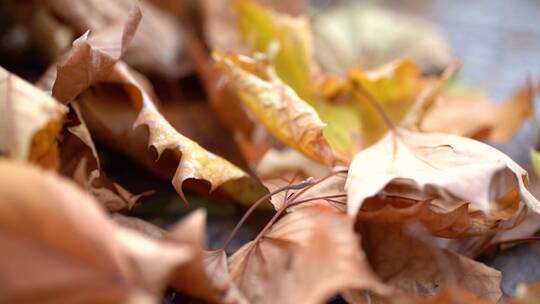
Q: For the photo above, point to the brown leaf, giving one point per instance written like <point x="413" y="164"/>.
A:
<point x="413" y="267"/>
<point x="207" y="276"/>
<point x="167" y="60"/>
<point x="437" y="165"/>
<point x="59" y="246"/>
<point x="475" y="116"/>
<point x="89" y="61"/>
<point x="192" y="161"/>
<point x="30" y="120"/>
<point x="79" y="158"/>
<point x="441" y="218"/>
<point x="306" y="257"/>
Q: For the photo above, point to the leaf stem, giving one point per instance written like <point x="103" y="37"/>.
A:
<point x="376" y="105"/>
<point x="306" y="183"/>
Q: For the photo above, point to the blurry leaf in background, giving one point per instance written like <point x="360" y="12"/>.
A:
<point x="50" y="36"/>
<point x="285" y="265"/>
<point x="59" y="246"/>
<point x="267" y="31"/>
<point x="167" y="59"/>
<point x="30" y="120"/>
<point x="473" y="115"/>
<point x="368" y="36"/>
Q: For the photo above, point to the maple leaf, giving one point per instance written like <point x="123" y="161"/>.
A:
<point x="413" y="267"/>
<point x="277" y="106"/>
<point x="441" y="166"/>
<point x="284" y="265"/>
<point x="60" y="247"/>
<point x="78" y="155"/>
<point x="192" y="160"/>
<point x="29" y="122"/>
<point x="207" y="276"/>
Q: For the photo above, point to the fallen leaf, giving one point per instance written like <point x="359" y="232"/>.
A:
<point x="90" y="60"/>
<point x="193" y="162"/>
<point x="78" y="156"/>
<point x="369" y="36"/>
<point x="168" y="60"/>
<point x="207" y="276"/>
<point x="277" y="106"/>
<point x="30" y="120"/>
<point x="60" y="247"/>
<point x="473" y="115"/>
<point x="413" y="267"/>
<point x="285" y="265"/>
<point x="446" y="166"/>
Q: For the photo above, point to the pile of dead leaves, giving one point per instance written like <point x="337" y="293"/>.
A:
<point x="366" y="169"/>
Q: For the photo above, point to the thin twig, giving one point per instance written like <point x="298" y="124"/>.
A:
<point x="308" y="182"/>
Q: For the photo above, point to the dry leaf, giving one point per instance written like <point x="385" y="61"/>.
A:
<point x="167" y="60"/>
<point x="89" y="61"/>
<point x="206" y="277"/>
<point x="78" y="155"/>
<point x="193" y="162"/>
<point x="306" y="257"/>
<point x="447" y="166"/>
<point x="475" y="116"/>
<point x="30" y="120"/>
<point x="277" y="106"/>
<point x="413" y="267"/>
<point x="59" y="246"/>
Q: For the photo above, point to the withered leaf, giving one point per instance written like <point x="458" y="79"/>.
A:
<point x="59" y="246"/>
<point x="286" y="264"/>
<point x="413" y="267"/>
<point x="207" y="276"/>
<point x="194" y="162"/>
<point x="448" y="166"/>
<point x="30" y="120"/>
<point x="277" y="106"/>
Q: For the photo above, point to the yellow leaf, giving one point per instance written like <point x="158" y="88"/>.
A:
<point x="277" y="106"/>
<point x="261" y="27"/>
<point x="394" y="86"/>
<point x="29" y="122"/>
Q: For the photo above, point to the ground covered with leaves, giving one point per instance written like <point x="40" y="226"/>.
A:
<point x="315" y="156"/>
